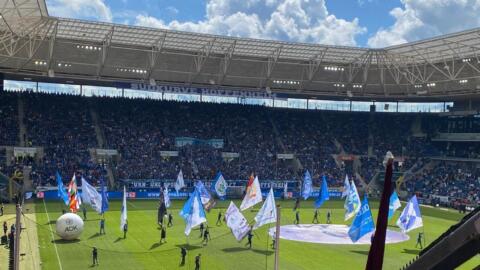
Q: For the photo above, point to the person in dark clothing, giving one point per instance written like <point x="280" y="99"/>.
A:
<point x="206" y="236"/>
<point x="329" y="216"/>
<point x="1" y="209"/>
<point x="249" y="238"/>
<point x="102" y="226"/>
<point x="197" y="262"/>
<point x="315" y="216"/>
<point x="202" y="227"/>
<point x="274" y="239"/>
<point x="183" y="253"/>
<point x="297" y="218"/>
<point x="163" y="235"/>
<point x="419" y="240"/>
<point x="5" y="228"/>
<point x="95" y="256"/>
<point x="12" y="228"/>
<point x="297" y="204"/>
<point x="219" y="218"/>
<point x="170" y="220"/>
<point x="125" y="229"/>
<point x="84" y="211"/>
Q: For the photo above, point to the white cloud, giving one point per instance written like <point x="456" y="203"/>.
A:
<point x="292" y="20"/>
<point x="172" y="10"/>
<point x="419" y="19"/>
<point x="84" y="9"/>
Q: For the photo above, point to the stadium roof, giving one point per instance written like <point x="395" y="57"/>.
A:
<point x="34" y="44"/>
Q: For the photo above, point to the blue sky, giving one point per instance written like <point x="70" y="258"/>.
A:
<point x="366" y="23"/>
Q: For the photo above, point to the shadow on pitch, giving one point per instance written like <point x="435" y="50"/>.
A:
<point x="94" y="236"/>
<point x="155" y="245"/>
<point x="242" y="249"/>
<point x="62" y="241"/>
<point x="188" y="247"/>
<point x="411" y="251"/>
<point x="118" y="239"/>
<point x="363" y="252"/>
<point x="51" y="222"/>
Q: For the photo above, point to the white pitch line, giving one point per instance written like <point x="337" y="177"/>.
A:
<point x="53" y="238"/>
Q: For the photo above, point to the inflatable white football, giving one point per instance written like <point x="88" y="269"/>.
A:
<point x="69" y="226"/>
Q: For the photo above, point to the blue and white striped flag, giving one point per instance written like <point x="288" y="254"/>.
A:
<point x="411" y="218"/>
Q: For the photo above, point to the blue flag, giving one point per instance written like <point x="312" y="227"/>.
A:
<point x="411" y="218"/>
<point x="192" y="212"/>
<point x="61" y="190"/>
<point x="307" y="185"/>
<point x="220" y="186"/>
<point x="393" y="205"/>
<point x="103" y="191"/>
<point x="323" y="194"/>
<point x="363" y="222"/>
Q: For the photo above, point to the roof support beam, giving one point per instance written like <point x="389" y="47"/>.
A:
<point x="312" y="68"/>
<point x="200" y="58"/>
<point x="154" y="54"/>
<point x="269" y="66"/>
<point x="225" y="62"/>
<point x="105" y="47"/>
<point x="51" y="46"/>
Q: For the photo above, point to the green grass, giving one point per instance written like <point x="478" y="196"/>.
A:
<point x="141" y="249"/>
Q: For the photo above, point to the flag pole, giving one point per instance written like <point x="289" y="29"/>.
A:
<point x="277" y="238"/>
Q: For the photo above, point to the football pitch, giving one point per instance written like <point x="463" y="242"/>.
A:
<point x="142" y="250"/>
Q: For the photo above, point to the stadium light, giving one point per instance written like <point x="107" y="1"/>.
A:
<point x="463" y="81"/>
<point x="431" y="84"/>
<point x="333" y="68"/>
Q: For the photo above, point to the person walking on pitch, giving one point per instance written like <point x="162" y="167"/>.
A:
<point x="95" y="256"/>
<point x="183" y="254"/>
<point x="2" y="208"/>
<point x="102" y="226"/>
<point x="219" y="218"/>
<point x="249" y="238"/>
<point x="206" y="236"/>
<point x="125" y="229"/>
<point x="274" y="239"/>
<point x="329" y="215"/>
<point x="419" y="240"/>
<point x="5" y="228"/>
<point x="297" y="218"/>
<point x="163" y="235"/>
<point x="84" y="211"/>
<point x="170" y="220"/>
<point x="315" y="217"/>
<point x="202" y="227"/>
<point x="197" y="262"/>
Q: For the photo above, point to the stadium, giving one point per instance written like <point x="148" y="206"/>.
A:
<point x="132" y="147"/>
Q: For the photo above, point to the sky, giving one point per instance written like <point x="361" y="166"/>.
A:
<point x="363" y="23"/>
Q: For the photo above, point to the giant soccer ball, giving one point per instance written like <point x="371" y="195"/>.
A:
<point x="69" y="226"/>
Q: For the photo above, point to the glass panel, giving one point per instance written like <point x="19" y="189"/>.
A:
<point x="18" y="86"/>
<point x="101" y="91"/>
<point x="55" y="88"/>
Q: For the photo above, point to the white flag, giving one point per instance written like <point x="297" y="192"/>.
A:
<point x="123" y="215"/>
<point x="253" y="194"/>
<point x="166" y="197"/>
<point x="236" y="222"/>
<point x="346" y="186"/>
<point x="268" y="212"/>
<point x="179" y="184"/>
<point x="91" y="196"/>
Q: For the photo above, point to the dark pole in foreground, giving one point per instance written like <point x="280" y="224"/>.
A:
<point x="377" y="249"/>
<point x="277" y="238"/>
<point x="18" y="229"/>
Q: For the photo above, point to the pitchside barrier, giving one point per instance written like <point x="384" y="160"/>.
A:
<point x="151" y="193"/>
